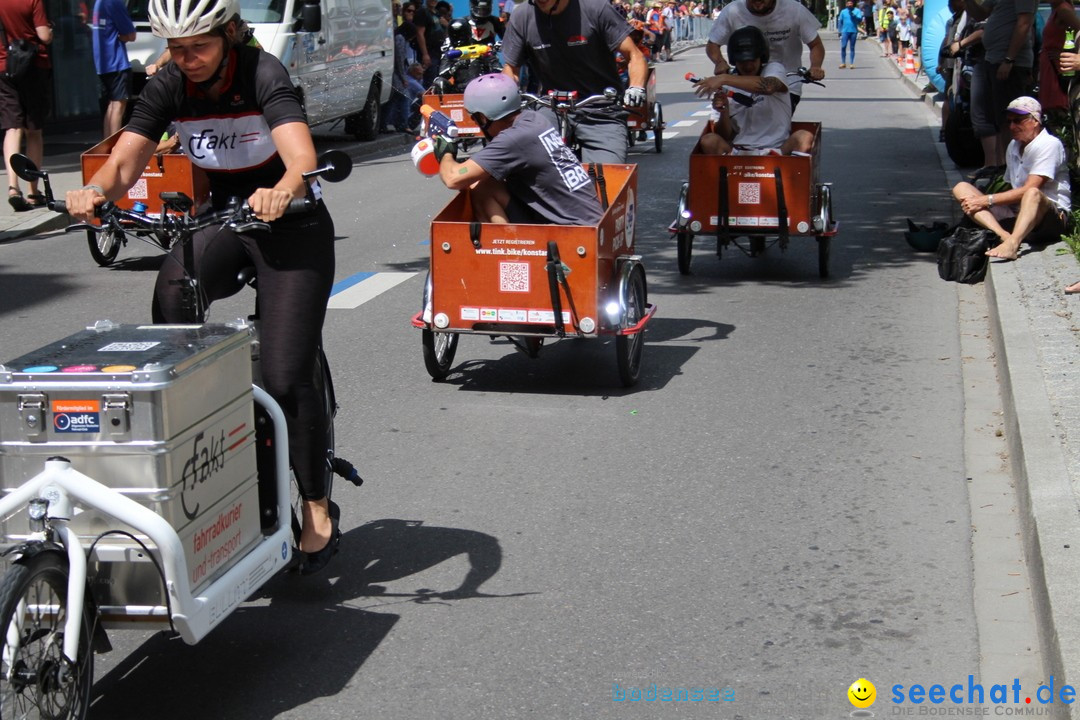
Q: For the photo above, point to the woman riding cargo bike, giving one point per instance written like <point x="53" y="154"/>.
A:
<point x="239" y="119"/>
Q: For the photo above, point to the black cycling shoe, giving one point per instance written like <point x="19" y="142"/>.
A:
<point x="312" y="563"/>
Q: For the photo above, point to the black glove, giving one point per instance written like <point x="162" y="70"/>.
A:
<point x="443" y="146"/>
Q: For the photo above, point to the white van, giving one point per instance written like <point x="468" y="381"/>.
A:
<point x="340" y="54"/>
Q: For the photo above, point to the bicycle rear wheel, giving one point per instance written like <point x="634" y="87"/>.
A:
<point x="36" y="680"/>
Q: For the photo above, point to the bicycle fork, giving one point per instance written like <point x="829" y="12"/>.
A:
<point x="51" y="508"/>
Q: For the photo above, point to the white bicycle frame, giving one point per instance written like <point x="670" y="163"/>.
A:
<point x="193" y="617"/>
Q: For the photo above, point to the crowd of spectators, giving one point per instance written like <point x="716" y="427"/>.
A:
<point x="897" y="23"/>
<point x="667" y="21"/>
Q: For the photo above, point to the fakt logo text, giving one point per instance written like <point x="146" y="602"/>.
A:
<point x="663" y="693"/>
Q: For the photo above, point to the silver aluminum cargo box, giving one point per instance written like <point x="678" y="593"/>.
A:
<point x="162" y="413"/>
<point x="174" y="376"/>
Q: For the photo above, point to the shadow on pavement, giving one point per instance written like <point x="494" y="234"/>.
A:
<point x="308" y="642"/>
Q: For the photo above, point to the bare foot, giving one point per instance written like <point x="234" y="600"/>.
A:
<point x="1005" y="251"/>
<point x="1073" y="289"/>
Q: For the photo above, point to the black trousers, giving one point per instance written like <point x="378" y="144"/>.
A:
<point x="294" y="263"/>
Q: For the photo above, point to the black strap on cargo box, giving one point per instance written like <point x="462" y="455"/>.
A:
<point x="557" y="277"/>
<point x="781" y="208"/>
<point x="723" y="230"/>
<point x="553" y="268"/>
<point x="474" y="233"/>
<point x="596" y="172"/>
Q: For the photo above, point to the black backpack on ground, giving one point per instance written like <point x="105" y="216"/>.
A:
<point x="961" y="254"/>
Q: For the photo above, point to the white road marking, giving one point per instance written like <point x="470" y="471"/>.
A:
<point x="358" y="289"/>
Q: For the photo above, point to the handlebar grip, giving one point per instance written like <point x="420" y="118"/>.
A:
<point x="299" y="205"/>
<point x="59" y="206"/>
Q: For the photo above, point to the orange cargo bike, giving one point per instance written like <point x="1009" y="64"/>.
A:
<point x="168" y="171"/>
<point x="757" y="197"/>
<point x="537" y="282"/>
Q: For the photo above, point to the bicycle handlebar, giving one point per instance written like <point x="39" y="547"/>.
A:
<point x="803" y="73"/>
<point x="333" y="166"/>
<point x="562" y="101"/>
<point x="238" y="216"/>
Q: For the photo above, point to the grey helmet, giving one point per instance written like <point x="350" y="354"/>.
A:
<point x="496" y="95"/>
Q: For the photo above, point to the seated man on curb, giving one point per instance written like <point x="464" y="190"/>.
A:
<point x="761" y="123"/>
<point x="1037" y="206"/>
<point x="526" y="173"/>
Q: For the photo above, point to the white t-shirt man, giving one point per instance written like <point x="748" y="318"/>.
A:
<point x="766" y="124"/>
<point x="788" y="28"/>
<point x="1045" y="155"/>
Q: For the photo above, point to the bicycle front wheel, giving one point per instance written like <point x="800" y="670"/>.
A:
<point x="36" y="680"/>
<point x="104" y="245"/>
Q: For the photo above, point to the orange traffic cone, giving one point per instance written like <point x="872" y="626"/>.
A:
<point x="909" y="63"/>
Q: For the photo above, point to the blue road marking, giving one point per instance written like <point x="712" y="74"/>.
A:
<point x="349" y="282"/>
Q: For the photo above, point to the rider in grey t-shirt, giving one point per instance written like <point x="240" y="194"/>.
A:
<point x="571" y="45"/>
<point x="540" y="172"/>
<point x="526" y="173"/>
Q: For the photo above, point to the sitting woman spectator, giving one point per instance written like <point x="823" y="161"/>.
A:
<point x="759" y="122"/>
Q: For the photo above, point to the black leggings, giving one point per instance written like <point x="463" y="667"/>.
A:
<point x="295" y="268"/>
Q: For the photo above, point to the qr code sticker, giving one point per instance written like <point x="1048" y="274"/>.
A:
<point x="513" y="277"/>
<point x="749" y="193"/>
<point x="138" y="191"/>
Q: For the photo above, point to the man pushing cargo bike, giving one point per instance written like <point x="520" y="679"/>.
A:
<point x="754" y="172"/>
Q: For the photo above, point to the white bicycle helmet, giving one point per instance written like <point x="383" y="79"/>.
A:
<point x="495" y="95"/>
<point x="186" y="18"/>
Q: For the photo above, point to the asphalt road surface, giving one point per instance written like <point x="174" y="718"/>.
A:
<point x="776" y="510"/>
